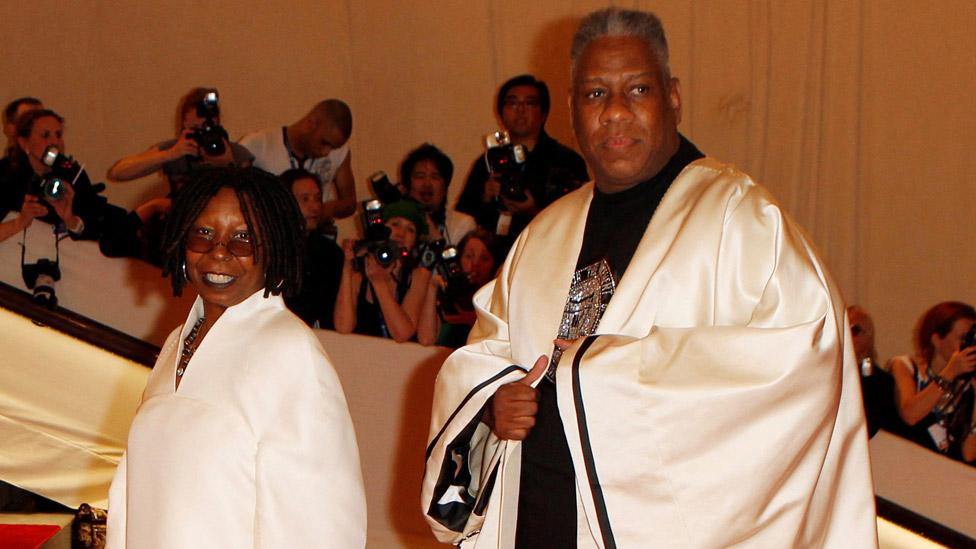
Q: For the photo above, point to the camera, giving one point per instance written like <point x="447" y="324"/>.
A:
<point x="377" y="238"/>
<point x="968" y="340"/>
<point x="506" y="162"/>
<point x="384" y="190"/>
<point x="40" y="277"/>
<point x="459" y="290"/>
<point x="64" y="169"/>
<point x="211" y="135"/>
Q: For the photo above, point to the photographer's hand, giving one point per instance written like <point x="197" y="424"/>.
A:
<point x="151" y="208"/>
<point x="526" y="207"/>
<point x="184" y="146"/>
<point x="64" y="208"/>
<point x="960" y="363"/>
<point x="31" y="209"/>
<point x="493" y="187"/>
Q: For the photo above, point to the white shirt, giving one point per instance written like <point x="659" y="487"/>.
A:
<point x="271" y="155"/>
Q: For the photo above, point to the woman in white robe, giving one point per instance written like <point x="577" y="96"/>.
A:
<point x="243" y="437"/>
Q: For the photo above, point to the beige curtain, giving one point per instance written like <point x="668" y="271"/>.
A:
<point x="858" y="114"/>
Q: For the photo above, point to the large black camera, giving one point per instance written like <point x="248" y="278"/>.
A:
<point x="377" y="238"/>
<point x="968" y="340"/>
<point x="506" y="162"/>
<point x="211" y="135"/>
<point x="64" y="169"/>
<point x="385" y="191"/>
<point x="40" y="277"/>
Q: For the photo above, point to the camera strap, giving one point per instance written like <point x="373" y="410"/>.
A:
<point x="57" y="247"/>
<point x="293" y="158"/>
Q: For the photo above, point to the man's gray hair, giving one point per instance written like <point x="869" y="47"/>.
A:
<point x="628" y="23"/>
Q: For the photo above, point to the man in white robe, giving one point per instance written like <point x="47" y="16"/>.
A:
<point x="706" y="394"/>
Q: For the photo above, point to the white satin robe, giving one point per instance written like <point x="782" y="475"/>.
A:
<point x="718" y="404"/>
<point x="255" y="449"/>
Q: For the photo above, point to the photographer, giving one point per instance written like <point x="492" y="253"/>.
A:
<point x="387" y="303"/>
<point x="197" y="120"/>
<point x="550" y="169"/>
<point x="11" y="113"/>
<point x="75" y="208"/>
<point x="933" y="386"/>
<point x="426" y="174"/>
<point x="448" y="313"/>
<point x="315" y="302"/>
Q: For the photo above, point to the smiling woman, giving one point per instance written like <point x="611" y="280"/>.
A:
<point x="243" y="423"/>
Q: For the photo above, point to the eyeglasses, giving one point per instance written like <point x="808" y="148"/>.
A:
<point x="236" y="246"/>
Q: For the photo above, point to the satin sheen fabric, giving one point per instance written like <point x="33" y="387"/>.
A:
<point x="718" y="405"/>
<point x="255" y="449"/>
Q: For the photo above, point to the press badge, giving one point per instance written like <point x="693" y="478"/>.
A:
<point x="939" y="435"/>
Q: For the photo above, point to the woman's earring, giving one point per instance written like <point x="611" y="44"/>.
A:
<point x="186" y="275"/>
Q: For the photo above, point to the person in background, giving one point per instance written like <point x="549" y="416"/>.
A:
<point x="315" y="302"/>
<point x="243" y="437"/>
<point x="550" y="170"/>
<point x="877" y="386"/>
<point x="426" y="173"/>
<point x="138" y="233"/>
<point x="78" y="211"/>
<point x="11" y="113"/>
<point x="319" y="143"/>
<point x="933" y="385"/>
<point x="448" y="313"/>
<point x="384" y="300"/>
<point x="180" y="157"/>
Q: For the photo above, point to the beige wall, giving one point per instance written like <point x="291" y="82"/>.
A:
<point x="857" y="114"/>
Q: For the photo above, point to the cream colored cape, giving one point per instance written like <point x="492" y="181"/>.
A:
<point x="255" y="449"/>
<point x="717" y="405"/>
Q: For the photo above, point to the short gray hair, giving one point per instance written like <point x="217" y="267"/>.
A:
<point x="629" y="23"/>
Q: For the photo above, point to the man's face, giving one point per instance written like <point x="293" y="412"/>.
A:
<point x="323" y="139"/>
<point x="10" y="126"/>
<point x="309" y="197"/>
<point x="427" y="185"/>
<point x="45" y="132"/>
<point x="522" y="112"/>
<point x="625" y="116"/>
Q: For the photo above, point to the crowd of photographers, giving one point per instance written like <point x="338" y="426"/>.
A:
<point x="926" y="396"/>
<point x="410" y="276"/>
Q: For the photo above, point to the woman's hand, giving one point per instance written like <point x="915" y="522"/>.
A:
<point x="376" y="273"/>
<point x="64" y="207"/>
<point x="32" y="208"/>
<point x="960" y="363"/>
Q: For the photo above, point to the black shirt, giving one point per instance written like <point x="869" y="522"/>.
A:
<point x="615" y="224"/>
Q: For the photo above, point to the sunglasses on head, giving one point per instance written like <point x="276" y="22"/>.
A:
<point x="236" y="246"/>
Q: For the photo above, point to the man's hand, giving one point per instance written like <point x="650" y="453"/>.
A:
<point x="526" y="207"/>
<point x="492" y="187"/>
<point x="513" y="406"/>
<point x="31" y="209"/>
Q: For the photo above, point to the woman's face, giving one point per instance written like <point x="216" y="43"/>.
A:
<point x="427" y="185"/>
<point x="402" y="231"/>
<point x="45" y="132"/>
<point x="309" y="197"/>
<point x="477" y="262"/>
<point x="221" y="278"/>
<point x="945" y="346"/>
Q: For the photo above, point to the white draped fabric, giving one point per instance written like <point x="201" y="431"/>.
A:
<point x="717" y="405"/>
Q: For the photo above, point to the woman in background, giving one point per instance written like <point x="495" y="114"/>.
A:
<point x="243" y="437"/>
<point x="448" y="313"/>
<point x="933" y="386"/>
<point x="384" y="300"/>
